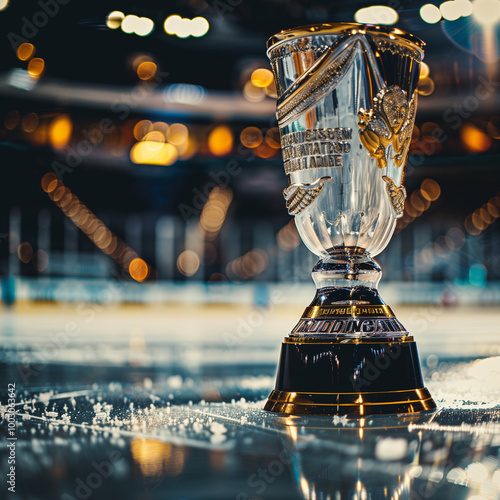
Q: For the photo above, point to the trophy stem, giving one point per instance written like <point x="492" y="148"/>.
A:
<point x="348" y="269"/>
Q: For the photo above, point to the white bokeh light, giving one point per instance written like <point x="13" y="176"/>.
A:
<point x="430" y="13"/>
<point x="486" y="12"/>
<point x="376" y="14"/>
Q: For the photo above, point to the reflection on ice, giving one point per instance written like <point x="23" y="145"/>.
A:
<point x="175" y="432"/>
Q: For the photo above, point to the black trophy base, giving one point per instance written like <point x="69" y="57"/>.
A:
<point x="373" y="376"/>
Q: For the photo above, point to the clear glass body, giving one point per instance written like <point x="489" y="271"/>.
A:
<point x="353" y="210"/>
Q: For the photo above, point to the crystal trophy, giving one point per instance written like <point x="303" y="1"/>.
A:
<point x="346" y="109"/>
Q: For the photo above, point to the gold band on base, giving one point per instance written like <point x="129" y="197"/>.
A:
<point x="352" y="311"/>
<point x="345" y="339"/>
<point x="362" y="404"/>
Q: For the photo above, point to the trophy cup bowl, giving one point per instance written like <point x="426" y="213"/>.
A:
<point x="346" y="109"/>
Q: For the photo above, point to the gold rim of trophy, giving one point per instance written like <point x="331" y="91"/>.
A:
<point x="360" y="404"/>
<point x="347" y="28"/>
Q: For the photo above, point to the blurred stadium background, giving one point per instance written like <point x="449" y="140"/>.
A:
<point x="139" y="147"/>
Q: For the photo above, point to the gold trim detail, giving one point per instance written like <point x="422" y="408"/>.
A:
<point x="299" y="196"/>
<point x="397" y="195"/>
<point x="410" y="41"/>
<point x="362" y="403"/>
<point x="385" y="132"/>
<point x="316" y="82"/>
<point x="344" y="339"/>
<point x="395" y="47"/>
<point x="353" y="311"/>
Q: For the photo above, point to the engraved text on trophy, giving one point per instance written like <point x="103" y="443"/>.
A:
<point x="315" y="148"/>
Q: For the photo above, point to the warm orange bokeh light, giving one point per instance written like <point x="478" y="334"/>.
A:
<point x="25" y="51"/>
<point x="60" y="131"/>
<point x="153" y="153"/>
<point x="426" y="86"/>
<point x="24" y="252"/>
<point x="430" y="189"/>
<point x="138" y="269"/>
<point x="220" y="141"/>
<point x="146" y="70"/>
<point x="36" y="66"/>
<point x="49" y="182"/>
<point x="177" y="134"/>
<point x="251" y="137"/>
<point x="273" y="138"/>
<point x="474" y="139"/>
<point x="262" y="77"/>
<point x="142" y="128"/>
<point x="154" y="136"/>
<point x="424" y="70"/>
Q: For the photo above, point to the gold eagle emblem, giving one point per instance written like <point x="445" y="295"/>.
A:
<point x="385" y="131"/>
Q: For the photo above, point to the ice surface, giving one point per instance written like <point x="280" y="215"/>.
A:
<point x="199" y="431"/>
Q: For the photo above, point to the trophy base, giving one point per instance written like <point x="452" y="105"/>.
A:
<point x="349" y="376"/>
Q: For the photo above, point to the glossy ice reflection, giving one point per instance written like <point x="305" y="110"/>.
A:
<point x="182" y="436"/>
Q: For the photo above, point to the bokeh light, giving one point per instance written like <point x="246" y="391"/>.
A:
<point x="141" y="26"/>
<point x="4" y="4"/>
<point x="183" y="28"/>
<point x="486" y="12"/>
<point x="138" y="269"/>
<point x="430" y="189"/>
<point x="248" y="265"/>
<point x="12" y="120"/>
<point x="129" y="24"/>
<point x="273" y="138"/>
<point x="142" y="128"/>
<point x="430" y="13"/>
<point x="214" y="211"/>
<point x="146" y="70"/>
<point x="25" y="252"/>
<point x="199" y="26"/>
<point x="474" y="139"/>
<point x="456" y="238"/>
<point x="49" y="182"/>
<point x="376" y="14"/>
<point x="29" y="122"/>
<point x="25" y="51"/>
<point x="40" y="260"/>
<point x="154" y="136"/>
<point x="450" y="10"/>
<point x="177" y="134"/>
<point x="36" y="67"/>
<point x="288" y="238"/>
<point x="153" y="153"/>
<point x="253" y="93"/>
<point x="251" y="137"/>
<point x="424" y="70"/>
<point x="425" y="86"/>
<point x="262" y="77"/>
<point x="114" y="19"/>
<point x="220" y="141"/>
<point x="188" y="263"/>
<point x="144" y="27"/>
<point x="60" y="131"/>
